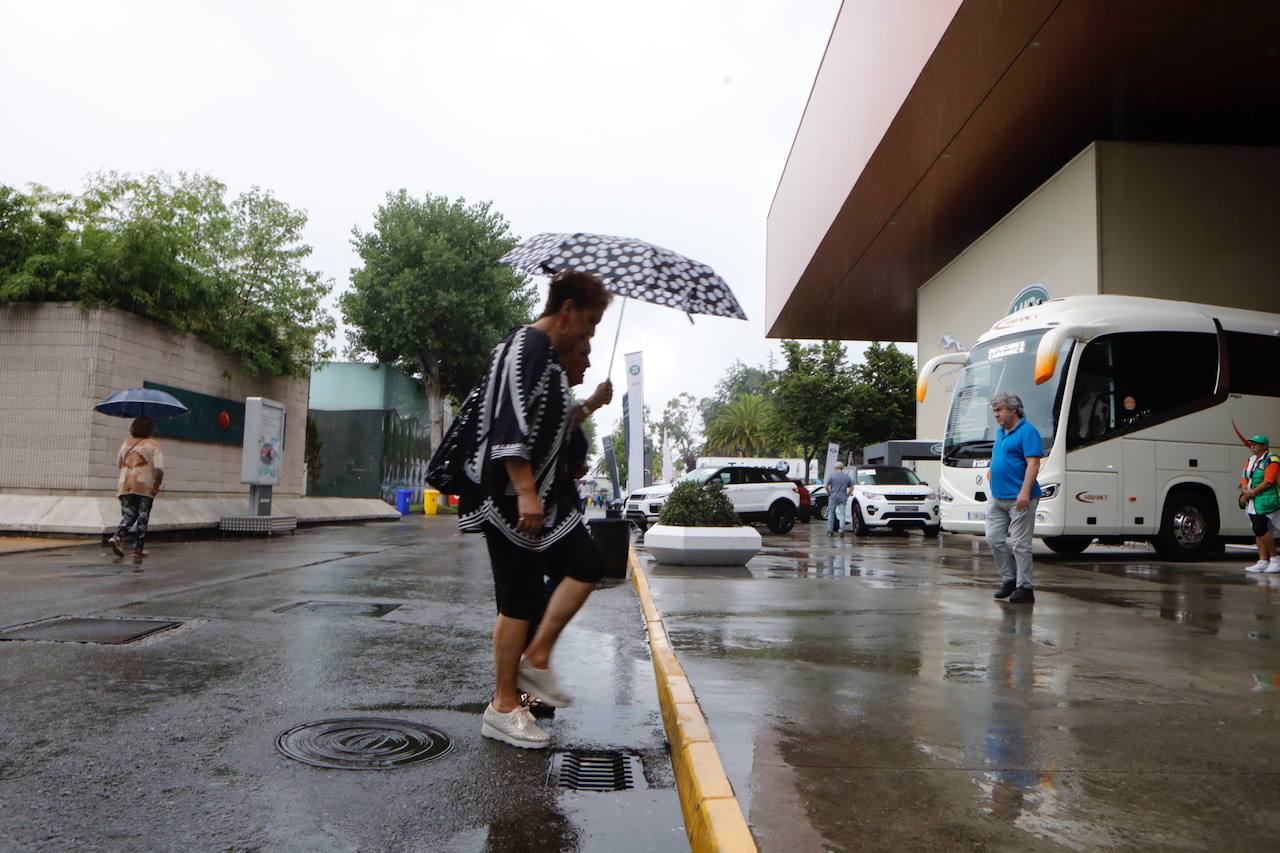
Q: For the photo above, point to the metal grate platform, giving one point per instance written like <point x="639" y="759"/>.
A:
<point x="76" y="629"/>
<point x="597" y="771"/>
<point x="263" y="524"/>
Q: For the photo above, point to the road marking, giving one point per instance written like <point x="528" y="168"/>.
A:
<point x="713" y="819"/>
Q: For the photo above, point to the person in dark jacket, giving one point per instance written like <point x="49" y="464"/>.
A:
<point x="517" y="499"/>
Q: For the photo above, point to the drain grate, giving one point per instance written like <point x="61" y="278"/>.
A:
<point x="340" y="608"/>
<point x="597" y="771"/>
<point x="77" y="629"/>
<point x="362" y="743"/>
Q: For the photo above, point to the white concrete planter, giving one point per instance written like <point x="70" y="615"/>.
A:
<point x="702" y="546"/>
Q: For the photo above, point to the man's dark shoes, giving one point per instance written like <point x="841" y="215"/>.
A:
<point x="1023" y="595"/>
<point x="1006" y="589"/>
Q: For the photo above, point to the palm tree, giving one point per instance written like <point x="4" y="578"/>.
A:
<point x="743" y="428"/>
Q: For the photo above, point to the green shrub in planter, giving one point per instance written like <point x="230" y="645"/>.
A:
<point x="693" y="504"/>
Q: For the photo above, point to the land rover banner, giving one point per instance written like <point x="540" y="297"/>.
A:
<point x="833" y="453"/>
<point x="635" y="423"/>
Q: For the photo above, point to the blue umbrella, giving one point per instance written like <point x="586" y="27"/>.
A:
<point x="141" y="403"/>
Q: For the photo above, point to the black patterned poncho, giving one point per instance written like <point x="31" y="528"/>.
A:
<point x="525" y="412"/>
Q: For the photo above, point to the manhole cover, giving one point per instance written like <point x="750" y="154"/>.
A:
<point x="76" y="629"/>
<point x="597" y="771"/>
<point x="362" y="743"/>
<point x="340" y="608"/>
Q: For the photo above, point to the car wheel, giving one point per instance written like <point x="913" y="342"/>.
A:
<point x="932" y="530"/>
<point x="1187" y="526"/>
<point x="825" y="512"/>
<point x="855" y="518"/>
<point x="1068" y="546"/>
<point x="782" y="517"/>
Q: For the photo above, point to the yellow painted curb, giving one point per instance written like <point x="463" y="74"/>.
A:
<point x="713" y="820"/>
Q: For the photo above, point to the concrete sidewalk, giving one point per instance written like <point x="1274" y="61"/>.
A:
<point x="868" y="693"/>
<point x="94" y="516"/>
<point x="169" y="742"/>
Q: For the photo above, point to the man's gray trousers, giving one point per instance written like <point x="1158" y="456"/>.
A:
<point x="1009" y="535"/>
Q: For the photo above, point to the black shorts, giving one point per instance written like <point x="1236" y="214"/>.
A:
<point x="1261" y="524"/>
<point x="523" y="579"/>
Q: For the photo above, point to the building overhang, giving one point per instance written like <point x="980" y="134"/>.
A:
<point x="1007" y="94"/>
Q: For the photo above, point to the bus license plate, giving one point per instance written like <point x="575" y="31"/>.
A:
<point x="977" y="516"/>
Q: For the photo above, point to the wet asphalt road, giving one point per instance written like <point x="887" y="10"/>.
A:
<point x="867" y="693"/>
<point x="168" y="743"/>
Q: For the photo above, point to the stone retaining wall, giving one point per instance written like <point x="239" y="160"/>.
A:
<point x="57" y="360"/>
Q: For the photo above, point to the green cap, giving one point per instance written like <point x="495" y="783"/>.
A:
<point x="1260" y="439"/>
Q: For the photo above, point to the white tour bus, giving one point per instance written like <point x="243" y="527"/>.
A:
<point x="1141" y="403"/>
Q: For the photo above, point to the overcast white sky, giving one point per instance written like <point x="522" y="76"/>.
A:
<point x="668" y="120"/>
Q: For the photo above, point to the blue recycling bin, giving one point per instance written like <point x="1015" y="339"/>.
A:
<point x="403" y="498"/>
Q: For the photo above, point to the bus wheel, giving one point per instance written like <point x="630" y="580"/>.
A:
<point x="1068" y="545"/>
<point x="1187" y="527"/>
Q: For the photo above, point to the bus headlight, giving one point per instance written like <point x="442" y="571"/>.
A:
<point x="1049" y="491"/>
<point x="945" y="496"/>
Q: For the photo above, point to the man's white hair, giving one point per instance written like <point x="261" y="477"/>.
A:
<point x="1008" y="400"/>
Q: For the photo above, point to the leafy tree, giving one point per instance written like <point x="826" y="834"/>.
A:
<point x="745" y="427"/>
<point x="740" y="379"/>
<point x="430" y="296"/>
<point x="679" y="427"/>
<point x="812" y="390"/>
<point x="174" y="250"/>
<point x="881" y="403"/>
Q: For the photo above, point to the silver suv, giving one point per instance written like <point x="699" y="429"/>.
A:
<point x="759" y="495"/>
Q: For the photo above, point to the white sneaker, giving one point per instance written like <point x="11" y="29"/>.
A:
<point x="1260" y="566"/>
<point x="1273" y="566"/>
<point x="542" y="683"/>
<point x="514" y="727"/>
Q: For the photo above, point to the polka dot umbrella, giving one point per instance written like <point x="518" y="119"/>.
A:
<point x="630" y="268"/>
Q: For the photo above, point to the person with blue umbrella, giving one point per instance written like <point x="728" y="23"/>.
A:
<point x="140" y="460"/>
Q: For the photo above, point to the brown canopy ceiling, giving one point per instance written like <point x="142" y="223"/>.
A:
<point x="1012" y="91"/>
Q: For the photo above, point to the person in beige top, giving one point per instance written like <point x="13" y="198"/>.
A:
<point x="141" y="465"/>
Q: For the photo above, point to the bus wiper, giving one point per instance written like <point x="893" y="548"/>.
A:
<point x="970" y="449"/>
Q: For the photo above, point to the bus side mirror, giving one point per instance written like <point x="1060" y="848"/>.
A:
<point x="1047" y="352"/>
<point x="922" y="383"/>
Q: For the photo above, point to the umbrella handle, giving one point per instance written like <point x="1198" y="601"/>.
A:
<point x="616" y="334"/>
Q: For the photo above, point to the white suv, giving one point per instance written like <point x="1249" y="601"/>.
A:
<point x="889" y="496"/>
<point x="759" y="496"/>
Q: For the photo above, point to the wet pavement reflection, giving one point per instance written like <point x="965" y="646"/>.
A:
<point x="868" y="693"/>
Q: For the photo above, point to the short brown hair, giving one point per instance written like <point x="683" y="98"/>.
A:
<point x="583" y="288"/>
<point x="142" y="428"/>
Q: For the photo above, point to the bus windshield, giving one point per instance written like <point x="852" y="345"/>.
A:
<point x="1005" y="364"/>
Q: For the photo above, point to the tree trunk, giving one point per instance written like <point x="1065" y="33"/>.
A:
<point x="435" y="411"/>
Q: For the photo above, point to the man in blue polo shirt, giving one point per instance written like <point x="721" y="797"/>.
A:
<point x="1011" y="512"/>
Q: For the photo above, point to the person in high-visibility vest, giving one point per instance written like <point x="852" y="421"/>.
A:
<point x="1260" y="498"/>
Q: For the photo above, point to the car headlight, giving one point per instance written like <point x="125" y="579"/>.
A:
<point x="1050" y="490"/>
<point x="945" y="496"/>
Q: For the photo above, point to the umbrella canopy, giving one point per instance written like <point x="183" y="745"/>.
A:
<point x="632" y="268"/>
<point x="141" y="403"/>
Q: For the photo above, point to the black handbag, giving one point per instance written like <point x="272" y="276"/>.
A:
<point x="447" y="469"/>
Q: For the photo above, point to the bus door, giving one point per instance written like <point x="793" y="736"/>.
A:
<point x="1138" y="510"/>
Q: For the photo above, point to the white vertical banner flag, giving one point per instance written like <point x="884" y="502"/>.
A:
<point x="635" y="429"/>
<point x="833" y="453"/>
<point x="667" y="472"/>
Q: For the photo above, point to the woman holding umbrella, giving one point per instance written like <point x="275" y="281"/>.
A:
<point x="141" y="464"/>
<point x="529" y="520"/>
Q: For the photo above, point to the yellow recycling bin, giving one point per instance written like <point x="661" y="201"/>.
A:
<point x="430" y="501"/>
